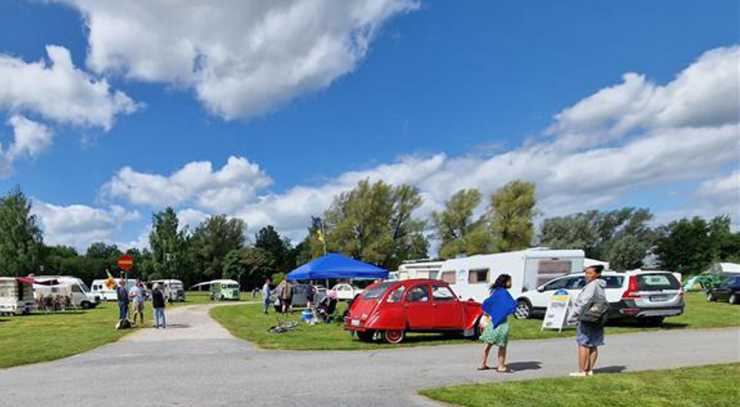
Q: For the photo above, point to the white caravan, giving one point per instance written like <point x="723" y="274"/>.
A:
<point x="80" y="295"/>
<point x="109" y="294"/>
<point x="173" y="289"/>
<point x="418" y="269"/>
<point x="471" y="277"/>
<point x="16" y="297"/>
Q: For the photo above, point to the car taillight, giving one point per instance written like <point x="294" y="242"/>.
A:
<point x="632" y="289"/>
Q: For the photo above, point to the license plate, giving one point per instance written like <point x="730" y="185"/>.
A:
<point x="355" y="322"/>
<point x="658" y="297"/>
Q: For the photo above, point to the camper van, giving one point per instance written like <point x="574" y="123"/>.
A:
<point x="173" y="289"/>
<point x="471" y="277"/>
<point x="16" y="296"/>
<point x="224" y="290"/>
<point x="109" y="294"/>
<point x="79" y="294"/>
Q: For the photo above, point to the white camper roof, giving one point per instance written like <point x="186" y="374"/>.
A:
<point x="214" y="282"/>
<point x="534" y="253"/>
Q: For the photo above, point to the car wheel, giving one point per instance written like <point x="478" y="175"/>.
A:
<point x="733" y="298"/>
<point x="85" y="305"/>
<point x="394" y="336"/>
<point x="365" y="336"/>
<point x="710" y="297"/>
<point x="523" y="309"/>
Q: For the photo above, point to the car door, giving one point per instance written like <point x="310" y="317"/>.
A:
<point x="418" y="307"/>
<point x="448" y="313"/>
<point x="543" y="299"/>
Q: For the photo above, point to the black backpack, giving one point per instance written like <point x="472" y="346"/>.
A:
<point x="596" y="311"/>
<point x="123" y="324"/>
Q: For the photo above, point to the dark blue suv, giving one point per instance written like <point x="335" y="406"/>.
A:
<point x="727" y="290"/>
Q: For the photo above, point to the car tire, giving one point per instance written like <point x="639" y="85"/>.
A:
<point x="733" y="298"/>
<point x="85" y="305"/>
<point x="523" y="309"/>
<point x="710" y="297"/>
<point x="394" y="336"/>
<point x="365" y="336"/>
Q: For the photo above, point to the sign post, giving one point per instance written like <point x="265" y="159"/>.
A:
<point x="557" y="311"/>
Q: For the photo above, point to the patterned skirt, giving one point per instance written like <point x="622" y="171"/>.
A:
<point x="498" y="336"/>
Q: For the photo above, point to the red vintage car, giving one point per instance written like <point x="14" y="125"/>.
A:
<point x="393" y="308"/>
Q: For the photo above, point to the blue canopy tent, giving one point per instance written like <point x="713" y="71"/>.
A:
<point x="336" y="266"/>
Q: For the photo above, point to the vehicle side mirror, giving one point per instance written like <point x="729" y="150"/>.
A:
<point x="541" y="289"/>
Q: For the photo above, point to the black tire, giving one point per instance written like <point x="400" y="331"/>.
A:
<point x="710" y="297"/>
<point x="365" y="336"/>
<point x="734" y="298"/>
<point x="394" y="336"/>
<point x="85" y="305"/>
<point x="523" y="309"/>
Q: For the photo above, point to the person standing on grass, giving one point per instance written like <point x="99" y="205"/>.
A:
<point x="589" y="309"/>
<point x="139" y="296"/>
<point x="122" y="297"/>
<point x="497" y="309"/>
<point x="266" y="294"/>
<point x="286" y="295"/>
<point x="158" y="302"/>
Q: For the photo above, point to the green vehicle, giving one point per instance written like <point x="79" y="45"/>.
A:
<point x="222" y="290"/>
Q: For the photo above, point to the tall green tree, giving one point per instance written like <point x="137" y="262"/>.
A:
<point x="102" y="250"/>
<point x="212" y="240"/>
<point x="21" y="241"/>
<point x="280" y="249"/>
<point x="169" y="245"/>
<point x="512" y="214"/>
<point x="457" y="229"/>
<point x="249" y="266"/>
<point x="374" y="223"/>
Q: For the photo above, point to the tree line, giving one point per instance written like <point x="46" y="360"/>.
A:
<point x="377" y="223"/>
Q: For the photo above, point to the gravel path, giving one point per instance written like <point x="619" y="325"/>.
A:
<point x="195" y="362"/>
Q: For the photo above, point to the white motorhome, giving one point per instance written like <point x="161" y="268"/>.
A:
<point x="79" y="293"/>
<point x="471" y="277"/>
<point x="418" y="269"/>
<point x="100" y="290"/>
<point x="16" y="297"/>
<point x="173" y="289"/>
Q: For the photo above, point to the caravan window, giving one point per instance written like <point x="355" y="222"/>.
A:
<point x="478" y="276"/>
<point x="448" y="277"/>
<point x="76" y="288"/>
<point x="550" y="269"/>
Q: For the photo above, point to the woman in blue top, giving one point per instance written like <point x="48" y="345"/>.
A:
<point x="497" y="307"/>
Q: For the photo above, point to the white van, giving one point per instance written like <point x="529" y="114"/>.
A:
<point x="109" y="294"/>
<point x="471" y="277"/>
<point x="15" y="296"/>
<point x="79" y="293"/>
<point x="173" y="289"/>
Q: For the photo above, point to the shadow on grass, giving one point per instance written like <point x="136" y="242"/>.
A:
<point x="610" y="369"/>
<point x="521" y="366"/>
<point x="49" y="314"/>
<point x="638" y="325"/>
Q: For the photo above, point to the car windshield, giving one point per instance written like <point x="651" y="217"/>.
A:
<point x="658" y="281"/>
<point x="176" y="286"/>
<point x="231" y="286"/>
<point x="84" y="287"/>
<point x="376" y="292"/>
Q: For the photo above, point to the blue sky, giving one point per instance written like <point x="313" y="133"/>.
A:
<point x="470" y="84"/>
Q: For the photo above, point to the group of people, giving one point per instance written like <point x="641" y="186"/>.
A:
<point x="138" y="296"/>
<point x="588" y="313"/>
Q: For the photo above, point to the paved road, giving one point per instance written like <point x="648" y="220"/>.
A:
<point x="196" y="362"/>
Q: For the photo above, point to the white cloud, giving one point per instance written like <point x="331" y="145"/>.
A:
<point x="191" y="218"/>
<point x="80" y="225"/>
<point x="29" y="140"/>
<point x="243" y="58"/>
<point x="223" y="190"/>
<point x="705" y="94"/>
<point x="59" y="92"/>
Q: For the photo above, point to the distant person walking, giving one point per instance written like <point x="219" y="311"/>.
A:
<point x="138" y="294"/>
<point x="266" y="295"/>
<point x="590" y="310"/>
<point x="497" y="308"/>
<point x="158" y="302"/>
<point x="122" y="297"/>
<point x="286" y="295"/>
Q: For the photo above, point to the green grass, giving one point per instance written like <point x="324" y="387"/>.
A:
<point x="696" y="387"/>
<point x="43" y="337"/>
<point x="248" y="322"/>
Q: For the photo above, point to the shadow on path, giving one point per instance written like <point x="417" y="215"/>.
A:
<point x="521" y="366"/>
<point x="610" y="369"/>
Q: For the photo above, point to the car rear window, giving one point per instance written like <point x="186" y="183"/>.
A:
<point x="658" y="281"/>
<point x="613" y="281"/>
<point x="372" y="293"/>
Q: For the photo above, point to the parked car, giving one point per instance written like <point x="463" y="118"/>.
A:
<point x="346" y="292"/>
<point x="173" y="289"/>
<point x="393" y="308"/>
<point x="646" y="296"/>
<point x="727" y="290"/>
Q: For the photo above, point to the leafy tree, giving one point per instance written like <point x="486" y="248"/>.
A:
<point x="60" y="251"/>
<point x="212" y="240"/>
<point x="249" y="266"/>
<point x="269" y="240"/>
<point x="102" y="250"/>
<point x="168" y="245"/>
<point x="512" y="213"/>
<point x="21" y="240"/>
<point x="622" y="237"/>
<point x="457" y="230"/>
<point x="374" y="223"/>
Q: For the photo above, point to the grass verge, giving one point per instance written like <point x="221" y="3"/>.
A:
<point x="249" y="323"/>
<point x="714" y="385"/>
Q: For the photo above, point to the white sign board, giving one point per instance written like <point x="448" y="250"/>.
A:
<point x="557" y="311"/>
